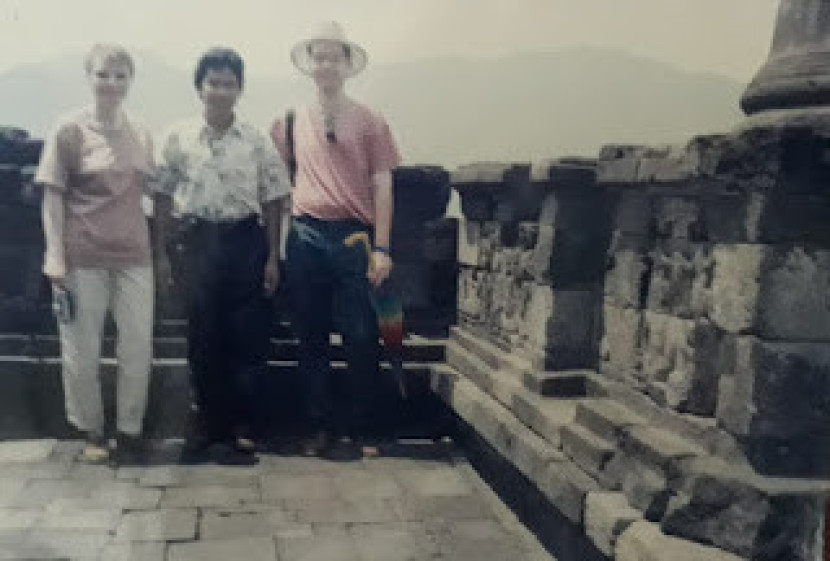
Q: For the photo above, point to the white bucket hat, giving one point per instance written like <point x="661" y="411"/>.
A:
<point x="328" y="31"/>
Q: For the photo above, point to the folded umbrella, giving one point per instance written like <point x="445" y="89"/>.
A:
<point x="389" y="311"/>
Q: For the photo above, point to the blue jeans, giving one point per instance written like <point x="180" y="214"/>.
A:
<point x="329" y="288"/>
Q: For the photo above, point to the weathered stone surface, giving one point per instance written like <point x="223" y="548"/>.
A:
<point x="681" y="280"/>
<point x="565" y="485"/>
<point x="421" y="194"/>
<point x="618" y="163"/>
<point x="774" y="293"/>
<point x="645" y="487"/>
<point x="55" y="544"/>
<point x="621" y="349"/>
<point x="679" y="218"/>
<point x="774" y="399"/>
<point x="684" y="356"/>
<point x="468" y="239"/>
<point x="493" y="191"/>
<point x="324" y="548"/>
<point x="22" y="451"/>
<point x="157" y="525"/>
<point x="217" y="524"/>
<point x="606" y="418"/>
<point x="643" y="541"/>
<point x="722" y="512"/>
<point x="562" y="326"/>
<point x="391" y="541"/>
<point x="206" y="495"/>
<point x="138" y="551"/>
<point x="435" y="482"/>
<point x="573" y="239"/>
<point x="607" y="515"/>
<point x="633" y="214"/>
<point x="253" y="549"/>
<point x="80" y="519"/>
<point x="292" y="486"/>
<point x="569" y="173"/>
<point x="628" y="274"/>
<point x="590" y="452"/>
<point x="656" y="447"/>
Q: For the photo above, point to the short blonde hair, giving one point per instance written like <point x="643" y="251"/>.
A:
<point x="108" y="52"/>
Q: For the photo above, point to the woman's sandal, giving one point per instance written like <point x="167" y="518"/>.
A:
<point x="95" y="451"/>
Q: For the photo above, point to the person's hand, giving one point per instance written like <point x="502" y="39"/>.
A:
<point x="271" y="278"/>
<point x="381" y="269"/>
<point x="164" y="278"/>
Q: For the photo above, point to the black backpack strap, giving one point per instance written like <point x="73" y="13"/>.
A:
<point x="289" y="144"/>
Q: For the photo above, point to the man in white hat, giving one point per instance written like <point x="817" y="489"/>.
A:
<point x="343" y="154"/>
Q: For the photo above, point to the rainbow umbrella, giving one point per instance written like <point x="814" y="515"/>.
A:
<point x="389" y="310"/>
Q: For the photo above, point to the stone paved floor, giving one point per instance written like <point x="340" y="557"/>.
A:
<point x="422" y="502"/>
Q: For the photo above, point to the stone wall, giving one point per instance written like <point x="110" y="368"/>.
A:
<point x="716" y="296"/>
<point x="21" y="240"/>
<point x="689" y="286"/>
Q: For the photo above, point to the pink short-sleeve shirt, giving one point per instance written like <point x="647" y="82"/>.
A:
<point x="334" y="179"/>
<point x="102" y="174"/>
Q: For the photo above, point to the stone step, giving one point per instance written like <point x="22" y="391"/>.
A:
<point x="658" y="448"/>
<point x="606" y="418"/>
<point x="545" y="416"/>
<point x="587" y="450"/>
<point x="501" y="385"/>
<point x="495" y="357"/>
<point x="31" y="394"/>
<point x="560" y="480"/>
<point x="416" y="348"/>
<point x="561" y="383"/>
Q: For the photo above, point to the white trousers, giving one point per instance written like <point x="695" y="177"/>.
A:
<point x="128" y="293"/>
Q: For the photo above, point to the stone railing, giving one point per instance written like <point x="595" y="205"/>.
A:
<point x="531" y="254"/>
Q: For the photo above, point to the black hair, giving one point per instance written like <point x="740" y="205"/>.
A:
<point x="219" y="58"/>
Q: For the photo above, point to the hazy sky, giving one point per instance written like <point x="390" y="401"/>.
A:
<point x="730" y="37"/>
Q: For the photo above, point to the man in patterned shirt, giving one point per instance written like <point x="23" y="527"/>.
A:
<point x="224" y="182"/>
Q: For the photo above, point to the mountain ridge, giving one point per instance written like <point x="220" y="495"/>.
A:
<point x="446" y="111"/>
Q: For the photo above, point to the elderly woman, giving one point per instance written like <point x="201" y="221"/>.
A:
<point x="94" y="168"/>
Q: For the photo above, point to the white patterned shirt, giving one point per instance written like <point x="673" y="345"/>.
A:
<point x="221" y="177"/>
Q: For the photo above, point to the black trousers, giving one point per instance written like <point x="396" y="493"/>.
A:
<point x="219" y="268"/>
<point x="329" y="288"/>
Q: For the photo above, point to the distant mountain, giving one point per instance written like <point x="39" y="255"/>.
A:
<point x="445" y="111"/>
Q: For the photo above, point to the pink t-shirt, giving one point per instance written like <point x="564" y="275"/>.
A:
<point x="102" y="174"/>
<point x="334" y="179"/>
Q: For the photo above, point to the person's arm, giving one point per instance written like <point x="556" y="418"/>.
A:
<point x="382" y="184"/>
<point x="272" y="215"/>
<point x="274" y="188"/>
<point x="163" y="184"/>
<point x="162" y="218"/>
<point x="56" y="160"/>
<point x="54" y="263"/>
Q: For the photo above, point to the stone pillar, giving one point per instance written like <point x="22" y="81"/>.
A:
<point x="793" y="86"/>
<point x="423" y="245"/>
<point x="532" y="254"/>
